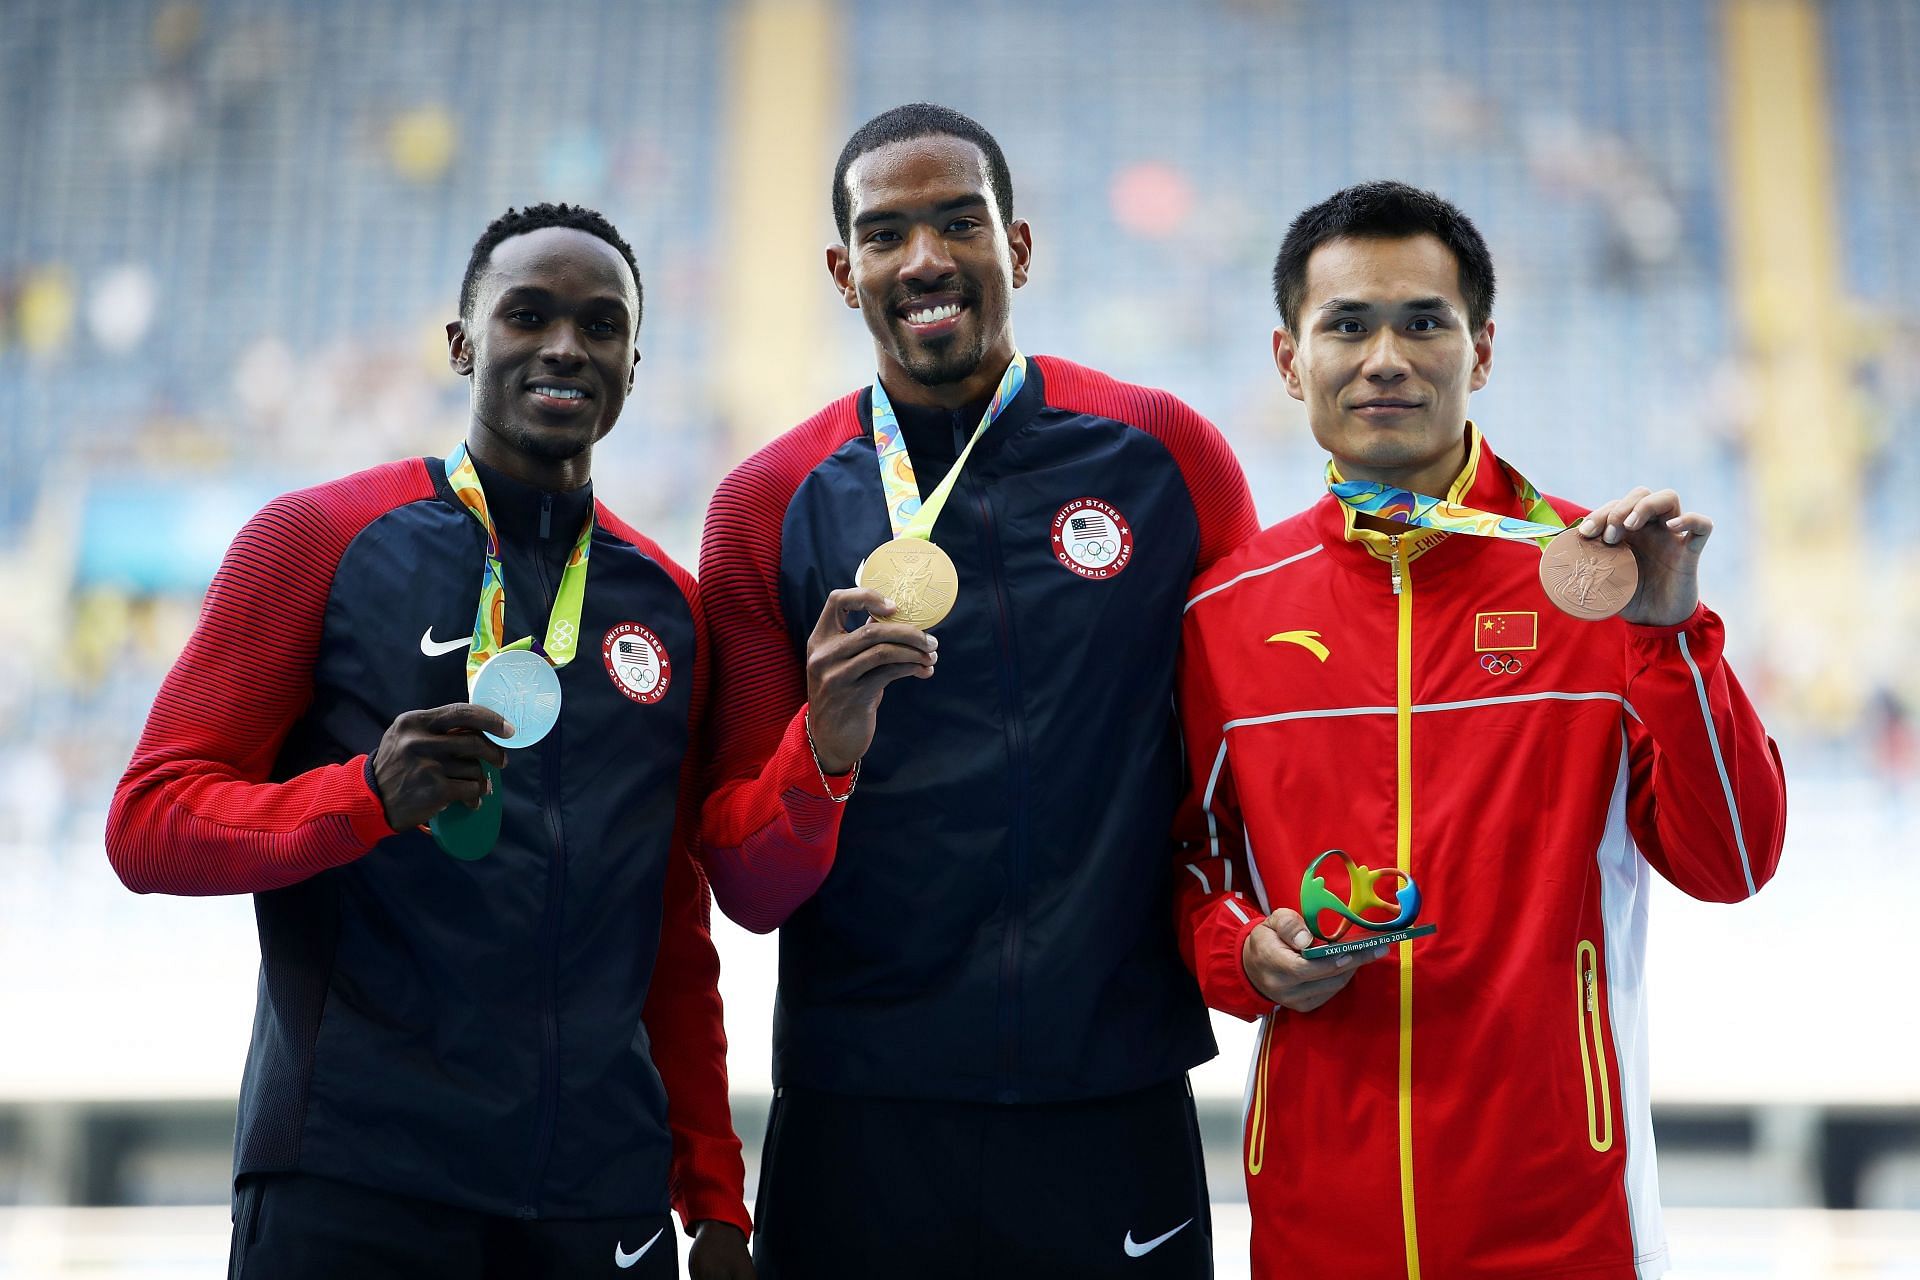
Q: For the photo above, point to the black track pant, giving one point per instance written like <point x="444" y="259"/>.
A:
<point x="290" y="1226"/>
<point x="864" y="1187"/>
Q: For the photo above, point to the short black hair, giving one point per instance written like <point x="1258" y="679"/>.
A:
<point x="1387" y="211"/>
<point x="919" y="120"/>
<point x="518" y="222"/>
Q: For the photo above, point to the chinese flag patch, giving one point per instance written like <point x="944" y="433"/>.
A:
<point x="1505" y="632"/>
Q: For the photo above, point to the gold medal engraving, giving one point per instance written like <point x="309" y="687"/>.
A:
<point x="1588" y="578"/>
<point x="919" y="578"/>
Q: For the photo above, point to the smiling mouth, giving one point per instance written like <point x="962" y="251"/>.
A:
<point x="932" y="317"/>
<point x="1386" y="406"/>
<point x="557" y="396"/>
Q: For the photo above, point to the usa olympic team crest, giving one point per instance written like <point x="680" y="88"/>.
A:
<point x="637" y="662"/>
<point x="1092" y="538"/>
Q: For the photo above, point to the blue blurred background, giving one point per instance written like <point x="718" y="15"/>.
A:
<point x="232" y="230"/>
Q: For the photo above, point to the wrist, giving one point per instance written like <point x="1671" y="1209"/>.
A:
<point x="837" y="783"/>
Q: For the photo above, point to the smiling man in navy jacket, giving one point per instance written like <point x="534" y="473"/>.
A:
<point x="508" y="1062"/>
<point x="983" y="1024"/>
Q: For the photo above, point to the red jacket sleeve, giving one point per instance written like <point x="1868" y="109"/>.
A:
<point x="769" y="829"/>
<point x="1212" y="913"/>
<point x="194" y="813"/>
<point x="1707" y="798"/>
<point x="683" y="1014"/>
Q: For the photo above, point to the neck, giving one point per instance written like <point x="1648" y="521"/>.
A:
<point x="972" y="389"/>
<point x="1432" y="479"/>
<point x="555" y="475"/>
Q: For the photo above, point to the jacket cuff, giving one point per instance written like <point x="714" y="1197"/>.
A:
<point x="714" y="1206"/>
<point x="1225" y="983"/>
<point x="368" y="817"/>
<point x="1692" y="622"/>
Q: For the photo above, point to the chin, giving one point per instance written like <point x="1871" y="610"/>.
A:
<point x="943" y="367"/>
<point x="548" y="445"/>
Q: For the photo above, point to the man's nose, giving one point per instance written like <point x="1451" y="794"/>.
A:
<point x="927" y="261"/>
<point x="561" y="346"/>
<point x="1386" y="357"/>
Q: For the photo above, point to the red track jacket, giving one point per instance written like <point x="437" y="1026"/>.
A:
<point x="1475" y="1104"/>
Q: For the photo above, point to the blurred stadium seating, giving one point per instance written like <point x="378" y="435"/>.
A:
<point x="231" y="230"/>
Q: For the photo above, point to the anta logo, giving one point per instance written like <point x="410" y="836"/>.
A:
<point x="1308" y="640"/>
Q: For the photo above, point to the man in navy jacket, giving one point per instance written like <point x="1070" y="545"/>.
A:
<point x="983" y="1022"/>
<point x="511" y="1062"/>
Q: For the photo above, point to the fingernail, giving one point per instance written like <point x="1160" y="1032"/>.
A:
<point x="1613" y="533"/>
<point x="510" y="730"/>
<point x="1632" y="521"/>
<point x="932" y="657"/>
<point x="1302" y="938"/>
<point x="887" y="605"/>
<point x="1341" y="962"/>
<point x="1675" y="522"/>
<point x="1587" y="527"/>
<point x="933" y="642"/>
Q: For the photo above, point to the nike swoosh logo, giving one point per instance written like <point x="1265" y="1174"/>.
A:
<point x="1308" y="640"/>
<point x="1146" y="1247"/>
<point x="434" y="648"/>
<point x="622" y="1259"/>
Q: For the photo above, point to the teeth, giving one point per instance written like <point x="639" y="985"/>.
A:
<point x="562" y="393"/>
<point x="933" y="314"/>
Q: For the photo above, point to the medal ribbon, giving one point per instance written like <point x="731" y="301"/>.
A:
<point x="490" y="618"/>
<point x="910" y="517"/>
<point x="1384" y="501"/>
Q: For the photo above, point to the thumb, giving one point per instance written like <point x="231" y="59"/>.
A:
<point x="1293" y="931"/>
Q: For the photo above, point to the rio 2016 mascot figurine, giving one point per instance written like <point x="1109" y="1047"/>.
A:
<point x="1363" y="895"/>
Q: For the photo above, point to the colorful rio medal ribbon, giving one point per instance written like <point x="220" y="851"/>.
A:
<point x="518" y="680"/>
<point x="1583" y="577"/>
<point x="1363" y="895"/>
<point x="911" y="569"/>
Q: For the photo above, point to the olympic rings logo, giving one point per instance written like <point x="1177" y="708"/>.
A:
<point x="1100" y="552"/>
<point x="1499" y="664"/>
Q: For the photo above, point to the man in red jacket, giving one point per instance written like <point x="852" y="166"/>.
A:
<point x="1390" y="674"/>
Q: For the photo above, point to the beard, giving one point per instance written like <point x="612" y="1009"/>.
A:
<point x="942" y="361"/>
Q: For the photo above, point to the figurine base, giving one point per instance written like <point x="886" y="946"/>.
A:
<point x="1367" y="943"/>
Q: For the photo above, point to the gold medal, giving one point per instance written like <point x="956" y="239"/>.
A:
<point x="1588" y="578"/>
<point x="917" y="576"/>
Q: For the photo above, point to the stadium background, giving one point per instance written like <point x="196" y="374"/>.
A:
<point x="230" y="233"/>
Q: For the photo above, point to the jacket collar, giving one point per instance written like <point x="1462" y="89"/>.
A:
<point x="1014" y="415"/>
<point x="1484" y="482"/>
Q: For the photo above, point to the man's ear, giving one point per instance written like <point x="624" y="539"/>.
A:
<point x="840" y="267"/>
<point x="1285" y="358"/>
<point x="1020" y="241"/>
<point x="1482" y="357"/>
<point x="459" y="350"/>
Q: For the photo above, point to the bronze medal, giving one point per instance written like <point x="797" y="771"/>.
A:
<point x="917" y="576"/>
<point x="1586" y="577"/>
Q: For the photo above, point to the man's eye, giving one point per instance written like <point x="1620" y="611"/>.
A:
<point x="964" y="224"/>
<point x="1424" y="324"/>
<point x="524" y="316"/>
<point x="602" y="328"/>
<point x="882" y="235"/>
<point x="1348" y="326"/>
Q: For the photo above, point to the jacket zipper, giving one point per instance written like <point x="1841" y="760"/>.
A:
<point x="549" y="1103"/>
<point x="1403" y="851"/>
<point x="1009" y="1028"/>
<point x="1593" y="1047"/>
